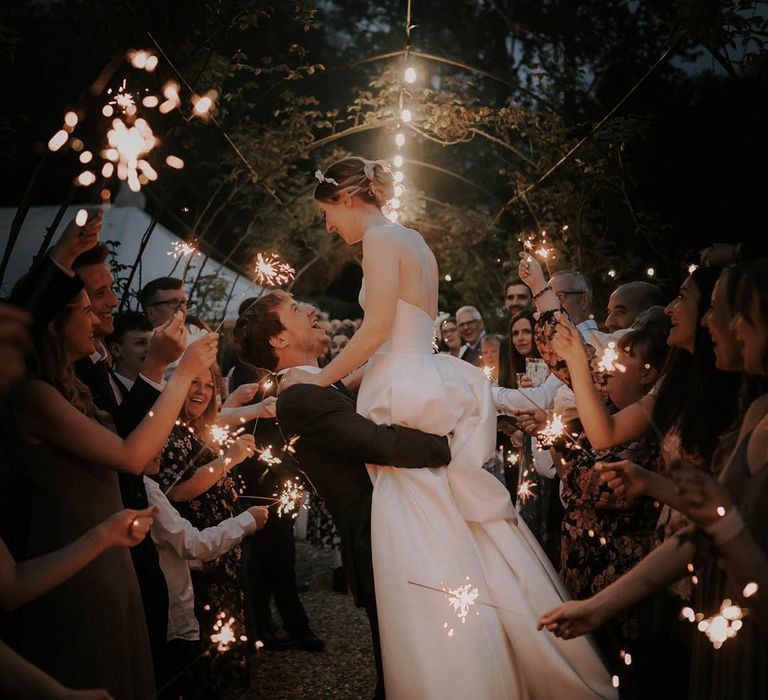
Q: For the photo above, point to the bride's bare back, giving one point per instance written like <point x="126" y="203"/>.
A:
<point x="418" y="283"/>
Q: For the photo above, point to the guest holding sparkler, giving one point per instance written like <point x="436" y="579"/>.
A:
<point x="679" y="409"/>
<point x="206" y="495"/>
<point x="67" y="457"/>
<point x="728" y="536"/>
<point x="178" y="541"/>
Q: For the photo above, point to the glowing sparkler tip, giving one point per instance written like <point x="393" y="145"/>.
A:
<point x="70" y="119"/>
<point x="750" y="589"/>
<point x="270" y="271"/>
<point x="174" y="162"/>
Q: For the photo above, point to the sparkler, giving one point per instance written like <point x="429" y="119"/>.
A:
<point x="122" y="99"/>
<point x="488" y="372"/>
<point x="290" y="498"/>
<point x="552" y="430"/>
<point x="463" y="598"/>
<point x="272" y="272"/>
<point x="608" y="360"/>
<point x="268" y="457"/>
<point x="185" y="250"/>
<point x="721" y="627"/>
<point x="224" y="633"/>
<point x="525" y="490"/>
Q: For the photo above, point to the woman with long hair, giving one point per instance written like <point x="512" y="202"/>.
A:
<point x="67" y="458"/>
<point x="727" y="540"/>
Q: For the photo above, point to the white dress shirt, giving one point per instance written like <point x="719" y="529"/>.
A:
<point x="178" y="542"/>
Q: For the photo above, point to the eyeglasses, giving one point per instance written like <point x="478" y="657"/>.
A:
<point x="467" y="324"/>
<point x="172" y="304"/>
<point x="562" y="295"/>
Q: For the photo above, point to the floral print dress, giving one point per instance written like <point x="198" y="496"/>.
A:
<point x="599" y="543"/>
<point x="217" y="582"/>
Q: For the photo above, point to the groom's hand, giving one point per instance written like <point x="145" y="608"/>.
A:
<point x="295" y="376"/>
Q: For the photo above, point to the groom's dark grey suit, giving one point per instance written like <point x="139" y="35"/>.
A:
<point x="334" y="446"/>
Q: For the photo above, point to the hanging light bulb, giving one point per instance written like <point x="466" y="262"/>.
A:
<point x="399" y="191"/>
<point x="398" y="175"/>
<point x="405" y="115"/>
<point x="650" y="272"/>
<point x="398" y="161"/>
<point x="393" y="216"/>
<point x="400" y="140"/>
<point x="410" y="75"/>
<point x="394" y="203"/>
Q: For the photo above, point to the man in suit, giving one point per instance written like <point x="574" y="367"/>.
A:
<point x="471" y="330"/>
<point x="334" y="442"/>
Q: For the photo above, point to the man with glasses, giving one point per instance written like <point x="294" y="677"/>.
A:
<point x="162" y="298"/>
<point x="471" y="330"/>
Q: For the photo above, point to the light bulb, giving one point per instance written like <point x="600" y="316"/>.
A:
<point x="400" y="140"/>
<point x="399" y="190"/>
<point x="405" y="115"/>
<point x="398" y="175"/>
<point x="650" y="272"/>
<point x="410" y="75"/>
<point x="398" y="161"/>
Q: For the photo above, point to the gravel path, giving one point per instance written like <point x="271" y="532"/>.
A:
<point x="345" y="670"/>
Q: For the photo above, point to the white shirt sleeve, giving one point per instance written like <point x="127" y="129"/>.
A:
<point x="159" y="386"/>
<point x="534" y="397"/>
<point x="186" y="540"/>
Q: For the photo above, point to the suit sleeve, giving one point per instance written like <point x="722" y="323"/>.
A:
<point x="326" y="418"/>
<point x="45" y="290"/>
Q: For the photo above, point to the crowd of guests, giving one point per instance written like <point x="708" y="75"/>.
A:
<point x="140" y="555"/>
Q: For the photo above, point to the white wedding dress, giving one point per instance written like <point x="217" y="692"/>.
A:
<point x="455" y="526"/>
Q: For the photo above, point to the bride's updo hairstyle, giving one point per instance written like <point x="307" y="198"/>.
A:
<point x="369" y="179"/>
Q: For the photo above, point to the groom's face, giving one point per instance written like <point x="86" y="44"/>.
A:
<point x="301" y="333"/>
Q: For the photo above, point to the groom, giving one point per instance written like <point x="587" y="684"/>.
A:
<point x="335" y="442"/>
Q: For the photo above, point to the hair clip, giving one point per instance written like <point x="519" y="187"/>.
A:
<point x="322" y="178"/>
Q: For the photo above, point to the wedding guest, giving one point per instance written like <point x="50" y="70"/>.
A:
<point x="489" y="356"/>
<point x="517" y="298"/>
<point x="22" y="582"/>
<point x="728" y="532"/>
<point x="679" y="410"/>
<point x="67" y="457"/>
<point x="628" y="300"/>
<point x="450" y="341"/>
<point x="161" y="298"/>
<point x="179" y="542"/>
<point x="128" y="405"/>
<point x="205" y="493"/>
<point x="129" y="344"/>
<point x="469" y="321"/>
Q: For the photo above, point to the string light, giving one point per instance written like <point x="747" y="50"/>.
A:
<point x="400" y="139"/>
<point x="410" y="75"/>
<point x="405" y="115"/>
<point x="398" y="163"/>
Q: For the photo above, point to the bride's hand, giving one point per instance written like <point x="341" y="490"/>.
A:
<point x="296" y="376"/>
<point x="571" y="619"/>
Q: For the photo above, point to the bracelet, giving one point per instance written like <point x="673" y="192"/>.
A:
<point x="726" y="528"/>
<point x="546" y="288"/>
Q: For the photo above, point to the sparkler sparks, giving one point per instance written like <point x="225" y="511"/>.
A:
<point x="179" y="249"/>
<point x="271" y="271"/>
<point x="127" y="146"/>
<point x="488" y="372"/>
<point x="267" y="456"/>
<point x="608" y="360"/>
<point x="290" y="498"/>
<point x="525" y="490"/>
<point x="463" y="598"/>
<point x="721" y="627"/>
<point x="552" y="430"/>
<point x="224" y="633"/>
<point x="122" y="99"/>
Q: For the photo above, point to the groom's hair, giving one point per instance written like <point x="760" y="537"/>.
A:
<point x="256" y="327"/>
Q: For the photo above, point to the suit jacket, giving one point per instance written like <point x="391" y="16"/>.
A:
<point x="334" y="445"/>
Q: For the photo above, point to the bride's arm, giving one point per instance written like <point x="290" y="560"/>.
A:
<point x="381" y="268"/>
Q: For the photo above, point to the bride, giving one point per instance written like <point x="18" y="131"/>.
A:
<point x="452" y="528"/>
